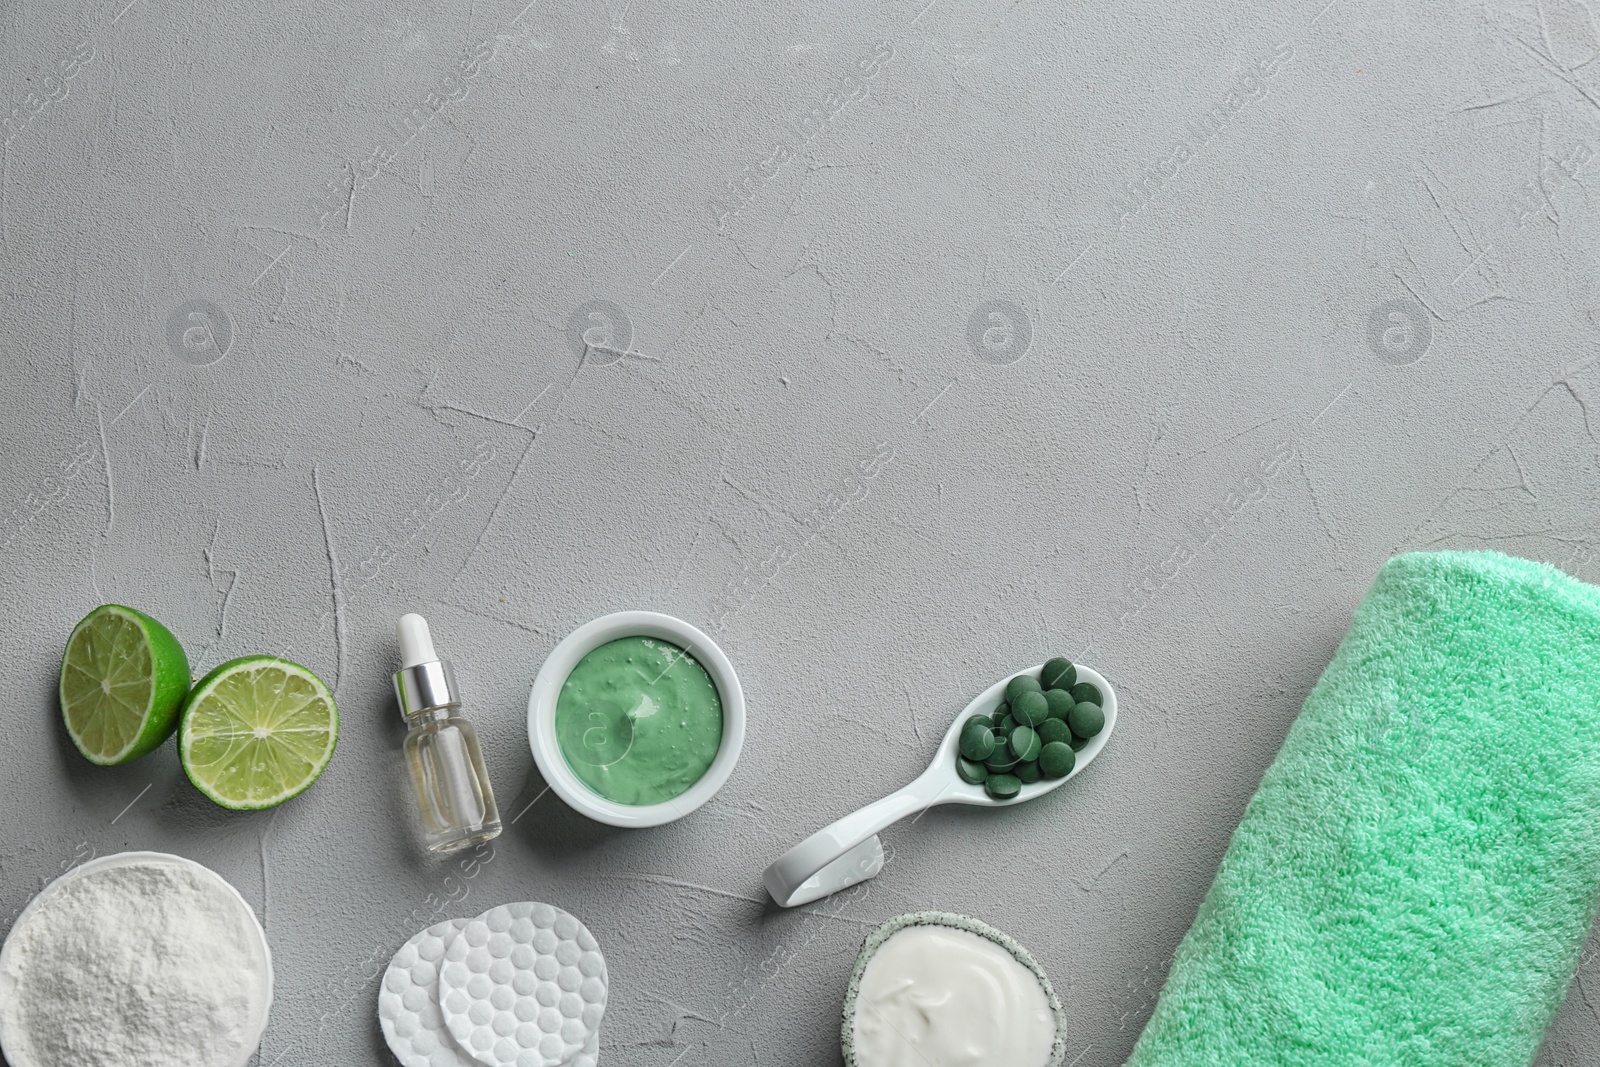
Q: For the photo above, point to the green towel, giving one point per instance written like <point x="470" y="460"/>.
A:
<point x="1413" y="881"/>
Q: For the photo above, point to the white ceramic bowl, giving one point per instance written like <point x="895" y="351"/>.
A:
<point x="547" y="687"/>
<point x="257" y="1026"/>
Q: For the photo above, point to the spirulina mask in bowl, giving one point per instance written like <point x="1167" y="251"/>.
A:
<point x="689" y="665"/>
<point x="935" y="988"/>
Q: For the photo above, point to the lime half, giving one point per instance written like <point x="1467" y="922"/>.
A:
<point x="122" y="679"/>
<point x="257" y="731"/>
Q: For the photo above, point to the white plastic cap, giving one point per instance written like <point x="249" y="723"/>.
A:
<point x="416" y="644"/>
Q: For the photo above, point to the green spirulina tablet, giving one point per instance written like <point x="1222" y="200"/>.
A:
<point x="1056" y="760"/>
<point x="1024" y="743"/>
<point x="1001" y="709"/>
<point x="976" y="741"/>
<point x="1001" y="761"/>
<point x="1028" y="773"/>
<point x="1022" y="683"/>
<point x="1053" y="729"/>
<point x="1002" y="786"/>
<point x="1005" y="724"/>
<point x="975" y="773"/>
<point x="1086" y="719"/>
<point x="1059" y="701"/>
<point x="986" y="720"/>
<point x="1058" y="673"/>
<point x="1075" y="744"/>
<point x="1030" y="709"/>
<point x="1086" y="692"/>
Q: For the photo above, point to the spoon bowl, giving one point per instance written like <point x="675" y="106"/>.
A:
<point x="964" y="792"/>
<point x="848" y="851"/>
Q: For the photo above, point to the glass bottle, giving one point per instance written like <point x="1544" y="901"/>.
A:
<point x="454" y="797"/>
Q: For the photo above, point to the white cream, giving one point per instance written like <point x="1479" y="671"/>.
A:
<point x="934" y="996"/>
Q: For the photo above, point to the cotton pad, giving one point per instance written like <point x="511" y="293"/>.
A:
<point x="408" y="1002"/>
<point x="589" y="1056"/>
<point x="524" y="985"/>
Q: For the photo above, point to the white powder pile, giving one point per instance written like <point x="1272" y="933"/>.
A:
<point x="142" y="964"/>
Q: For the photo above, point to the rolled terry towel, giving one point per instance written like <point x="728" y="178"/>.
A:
<point x="1413" y="881"/>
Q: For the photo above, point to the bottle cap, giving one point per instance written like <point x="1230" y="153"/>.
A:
<point x="424" y="681"/>
<point x="416" y="643"/>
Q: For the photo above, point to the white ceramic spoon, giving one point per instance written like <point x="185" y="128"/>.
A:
<point x="849" y="851"/>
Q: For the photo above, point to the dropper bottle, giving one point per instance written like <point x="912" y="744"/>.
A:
<point x="453" y="792"/>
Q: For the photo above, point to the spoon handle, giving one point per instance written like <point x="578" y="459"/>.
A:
<point x="848" y="851"/>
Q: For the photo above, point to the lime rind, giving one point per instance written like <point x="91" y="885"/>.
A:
<point x="123" y="679"/>
<point x="257" y="731"/>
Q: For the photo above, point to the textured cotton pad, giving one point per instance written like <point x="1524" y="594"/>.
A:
<point x="589" y="1056"/>
<point x="523" y="985"/>
<point x="1415" y="878"/>
<point x="408" y="1001"/>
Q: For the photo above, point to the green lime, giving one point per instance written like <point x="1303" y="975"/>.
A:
<point x="257" y="731"/>
<point x="123" y="677"/>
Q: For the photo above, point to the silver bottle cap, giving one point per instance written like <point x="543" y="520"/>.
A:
<point x="424" y="686"/>
<point x="424" y="681"/>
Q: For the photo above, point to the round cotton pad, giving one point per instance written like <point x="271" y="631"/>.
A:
<point x="523" y="985"/>
<point x="408" y="1002"/>
<point x="590" y="1054"/>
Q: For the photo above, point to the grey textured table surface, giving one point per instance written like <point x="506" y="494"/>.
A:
<point x="1154" y="333"/>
